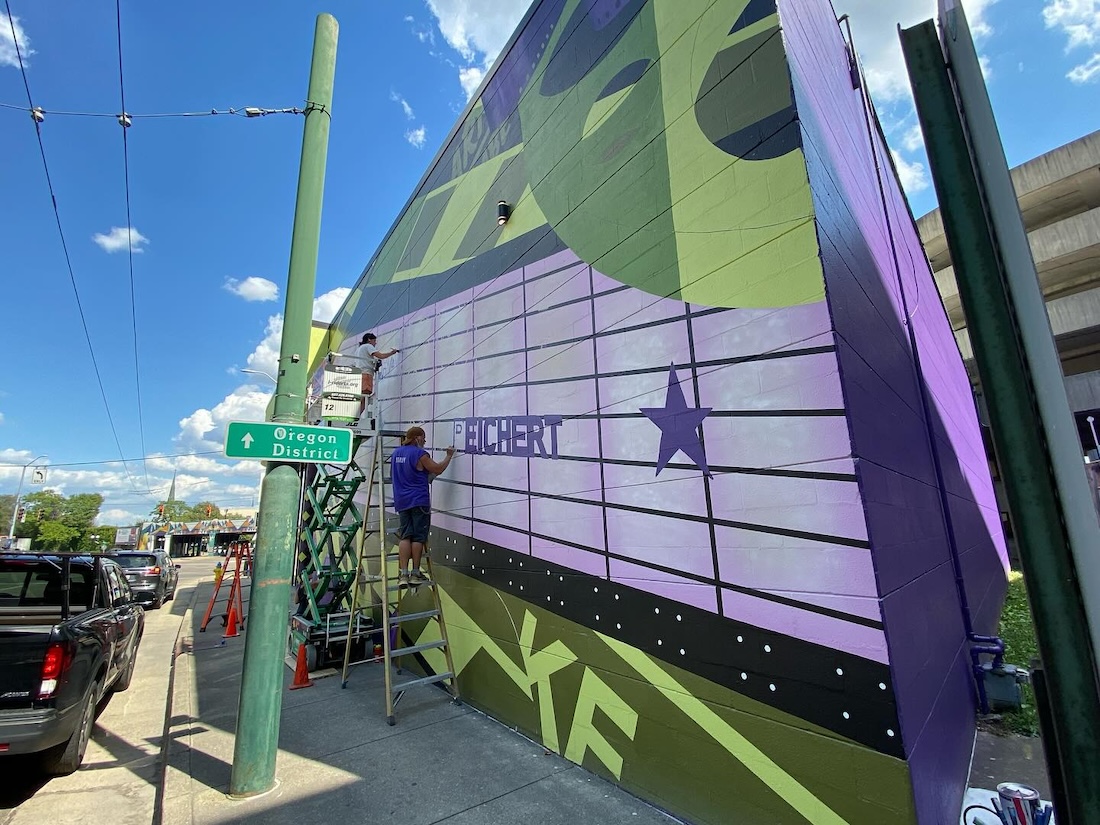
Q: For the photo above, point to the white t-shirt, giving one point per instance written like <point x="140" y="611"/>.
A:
<point x="365" y="359"/>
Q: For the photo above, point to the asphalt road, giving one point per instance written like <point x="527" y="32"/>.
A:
<point x="117" y="783"/>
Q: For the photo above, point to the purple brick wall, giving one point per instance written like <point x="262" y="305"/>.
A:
<point x="907" y="412"/>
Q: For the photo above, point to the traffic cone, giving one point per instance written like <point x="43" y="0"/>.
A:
<point x="301" y="671"/>
<point x="231" y="623"/>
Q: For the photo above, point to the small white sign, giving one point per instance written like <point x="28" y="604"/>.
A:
<point x="38" y="475"/>
<point x="345" y="380"/>
<point x="340" y="408"/>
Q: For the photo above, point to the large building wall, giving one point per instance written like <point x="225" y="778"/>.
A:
<point x="695" y="489"/>
<point x="919" y="454"/>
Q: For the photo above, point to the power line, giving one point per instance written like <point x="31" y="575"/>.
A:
<point x="117" y="460"/>
<point x="64" y="245"/>
<point x="124" y="121"/>
<point x="39" y="113"/>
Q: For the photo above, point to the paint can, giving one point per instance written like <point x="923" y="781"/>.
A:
<point x="1022" y="799"/>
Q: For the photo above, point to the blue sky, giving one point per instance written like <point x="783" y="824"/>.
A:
<point x="211" y="198"/>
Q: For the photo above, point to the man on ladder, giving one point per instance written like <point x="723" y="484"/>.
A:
<point x="412" y="468"/>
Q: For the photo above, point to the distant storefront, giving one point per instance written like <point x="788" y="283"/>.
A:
<point x="193" y="538"/>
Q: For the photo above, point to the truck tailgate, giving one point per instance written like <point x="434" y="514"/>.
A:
<point x="22" y="649"/>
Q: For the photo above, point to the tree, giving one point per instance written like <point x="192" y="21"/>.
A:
<point x="55" y="536"/>
<point x="98" y="539"/>
<point x="7" y="505"/>
<point x="170" y="511"/>
<point x="204" y="510"/>
<point x="56" y="523"/>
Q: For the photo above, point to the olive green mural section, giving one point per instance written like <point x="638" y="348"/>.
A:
<point x="671" y="737"/>
<point x="662" y="147"/>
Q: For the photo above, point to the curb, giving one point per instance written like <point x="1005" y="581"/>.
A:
<point x="169" y="705"/>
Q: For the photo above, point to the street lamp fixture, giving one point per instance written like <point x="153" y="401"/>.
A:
<point x="18" y="494"/>
<point x="260" y="372"/>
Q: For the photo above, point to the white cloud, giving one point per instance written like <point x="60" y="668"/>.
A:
<point x="116" y="240"/>
<point x="1087" y="71"/>
<point x="416" y="137"/>
<point x="8" y="54"/>
<point x="914" y="177"/>
<point x="874" y="29"/>
<point x="326" y="306"/>
<point x="119" y="517"/>
<point x="475" y="27"/>
<point x="1078" y="19"/>
<point x="227" y="483"/>
<point x="204" y="429"/>
<point x="470" y="77"/>
<point x="1" y="418"/>
<point x="477" y="30"/>
<point x="404" y="104"/>
<point x="200" y="464"/>
<point x="252" y="288"/>
<point x="913" y="139"/>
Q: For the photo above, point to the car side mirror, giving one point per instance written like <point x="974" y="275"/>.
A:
<point x="179" y="566"/>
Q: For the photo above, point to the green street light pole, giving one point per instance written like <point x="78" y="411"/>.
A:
<point x="260" y="704"/>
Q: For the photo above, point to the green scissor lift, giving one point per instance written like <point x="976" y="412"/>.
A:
<point x="326" y="564"/>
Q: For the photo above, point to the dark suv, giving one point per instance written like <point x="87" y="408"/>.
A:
<point x="151" y="575"/>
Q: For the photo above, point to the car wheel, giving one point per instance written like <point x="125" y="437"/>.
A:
<point x="157" y="601"/>
<point x="66" y="758"/>
<point x="124" y="678"/>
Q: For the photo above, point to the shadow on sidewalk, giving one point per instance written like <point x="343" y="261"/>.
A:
<point x="338" y="758"/>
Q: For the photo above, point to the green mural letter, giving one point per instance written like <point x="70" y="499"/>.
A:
<point x="596" y="693"/>
<point x="540" y="667"/>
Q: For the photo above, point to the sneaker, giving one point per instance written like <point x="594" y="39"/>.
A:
<point x="403" y="578"/>
<point x="418" y="577"/>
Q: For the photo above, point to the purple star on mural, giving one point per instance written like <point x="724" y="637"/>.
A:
<point x="679" y="426"/>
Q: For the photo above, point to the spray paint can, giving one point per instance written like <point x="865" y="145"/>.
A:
<point x="1022" y="799"/>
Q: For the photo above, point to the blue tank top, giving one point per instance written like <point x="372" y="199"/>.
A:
<point x="410" y="484"/>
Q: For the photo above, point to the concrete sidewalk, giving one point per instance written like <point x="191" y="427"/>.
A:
<point x="340" y="762"/>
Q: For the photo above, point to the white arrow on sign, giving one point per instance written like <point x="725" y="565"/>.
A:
<point x="247" y="440"/>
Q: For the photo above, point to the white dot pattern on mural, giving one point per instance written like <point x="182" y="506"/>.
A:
<point x="652" y="623"/>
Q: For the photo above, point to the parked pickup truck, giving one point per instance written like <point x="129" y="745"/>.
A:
<point x="69" y="635"/>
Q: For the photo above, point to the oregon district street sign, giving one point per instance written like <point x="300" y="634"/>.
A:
<point x="266" y="441"/>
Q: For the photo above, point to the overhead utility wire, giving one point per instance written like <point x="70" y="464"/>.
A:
<point x="39" y="113"/>
<point x="114" y="460"/>
<point x="64" y="245"/>
<point x="124" y="122"/>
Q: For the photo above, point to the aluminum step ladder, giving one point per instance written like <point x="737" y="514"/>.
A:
<point x="380" y="592"/>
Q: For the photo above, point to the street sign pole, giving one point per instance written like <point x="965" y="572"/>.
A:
<point x="260" y="704"/>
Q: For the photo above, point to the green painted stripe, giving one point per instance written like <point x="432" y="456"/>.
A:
<point x="785" y="786"/>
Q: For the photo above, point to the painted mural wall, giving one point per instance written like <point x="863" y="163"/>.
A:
<point x="718" y="450"/>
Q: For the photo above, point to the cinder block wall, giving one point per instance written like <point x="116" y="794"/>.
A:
<point x="694" y="538"/>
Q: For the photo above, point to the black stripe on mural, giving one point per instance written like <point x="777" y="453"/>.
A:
<point x="824" y="538"/>
<point x="660" y="568"/>
<point x="713" y="364"/>
<point x="838" y="691"/>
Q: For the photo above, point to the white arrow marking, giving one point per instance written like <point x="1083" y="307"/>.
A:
<point x="247" y="441"/>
